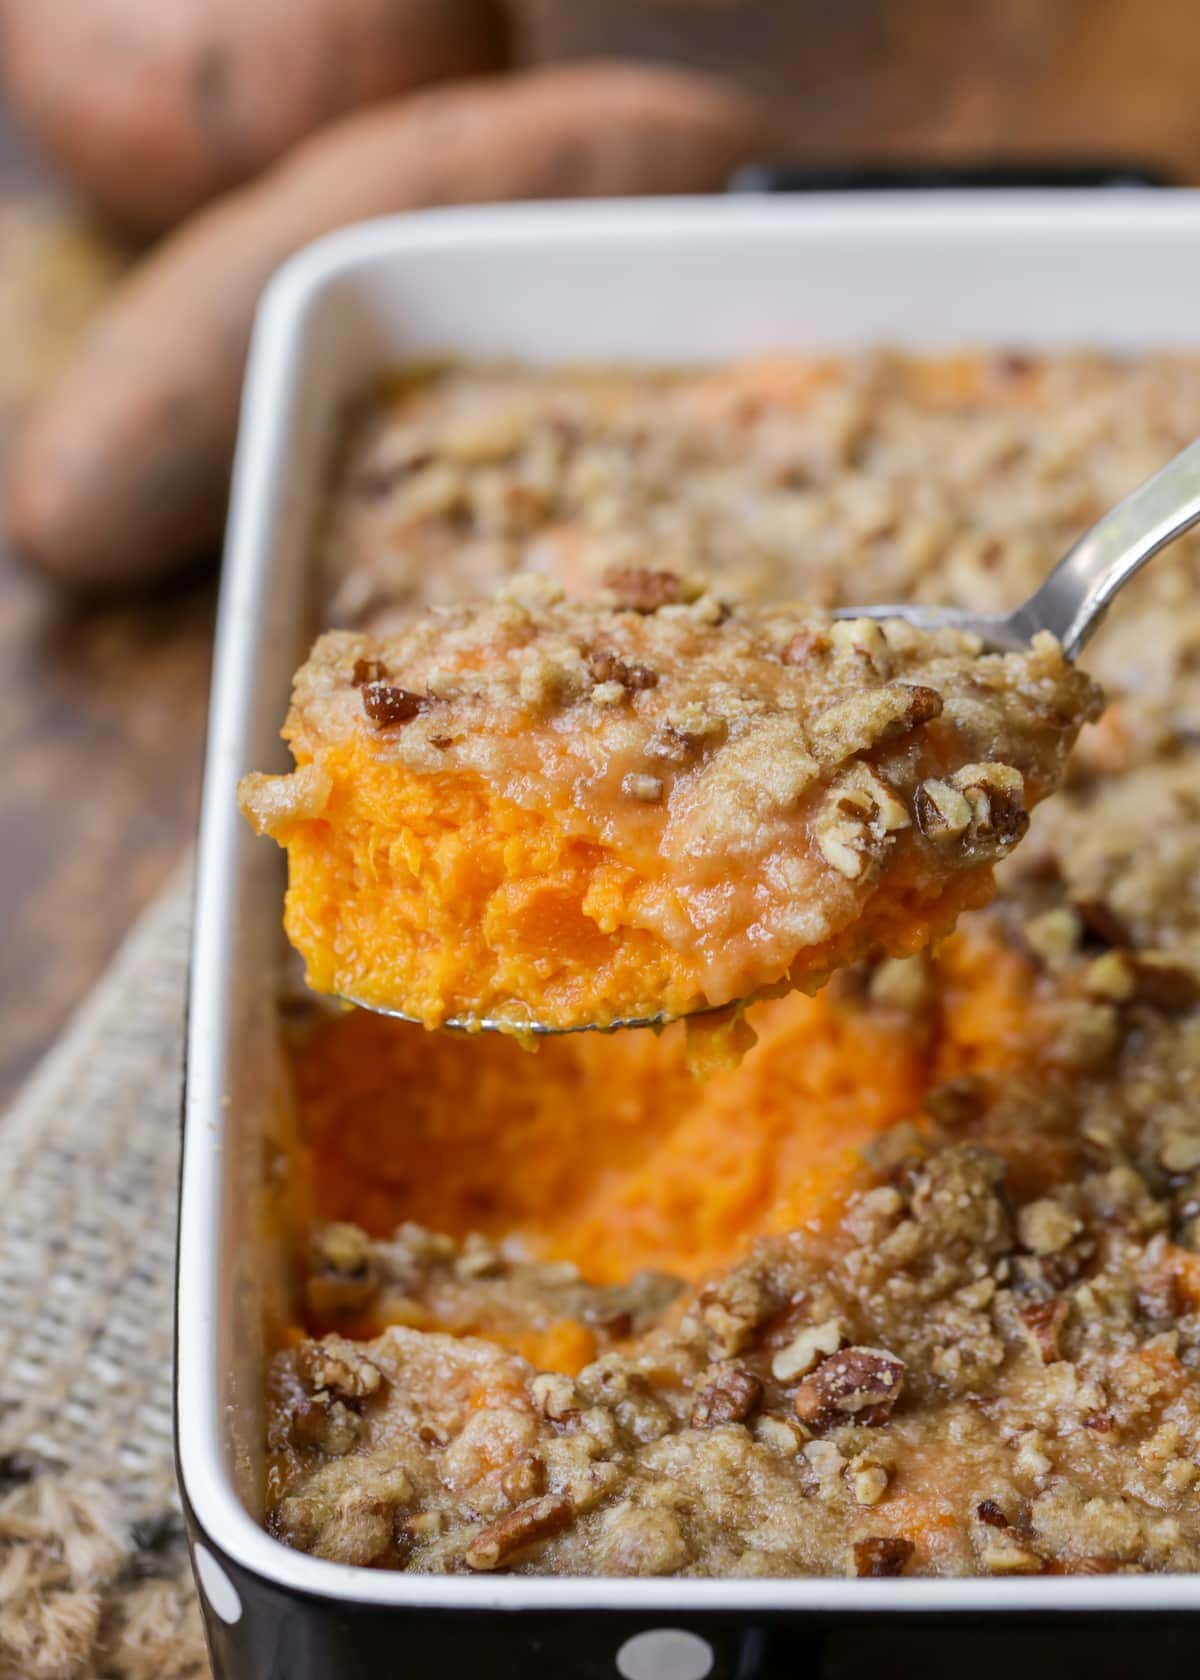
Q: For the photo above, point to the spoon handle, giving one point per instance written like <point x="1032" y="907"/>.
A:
<point x="1075" y="597"/>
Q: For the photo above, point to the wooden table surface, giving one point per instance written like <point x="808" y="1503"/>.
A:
<point x="102" y="705"/>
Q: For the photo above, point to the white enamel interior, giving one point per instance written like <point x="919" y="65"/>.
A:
<point x="686" y="280"/>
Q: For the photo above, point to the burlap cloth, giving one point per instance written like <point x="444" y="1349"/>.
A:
<point x="93" y="1568"/>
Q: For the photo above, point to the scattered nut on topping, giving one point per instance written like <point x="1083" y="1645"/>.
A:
<point x="641" y="590"/>
<point x="882" y="1556"/>
<point x="781" y="1436"/>
<point x="501" y="1540"/>
<point x="368" y="671"/>
<point x="608" y="667"/>
<point x="728" y="1397"/>
<point x="859" y="1385"/>
<point x="869" y="1484"/>
<point x="1007" y="1556"/>
<point x="555" y="1395"/>
<point x="339" y="1367"/>
<point x="803" y="1352"/>
<point x="387" y="705"/>
<point x="861" y="636"/>
<point x="1042" y="1322"/>
<point x="942" y="811"/>
<point x="860" y="814"/>
<point x="995" y="793"/>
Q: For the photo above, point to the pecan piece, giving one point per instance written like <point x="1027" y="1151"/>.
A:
<point x="1042" y="1322"/>
<point x="640" y="589"/>
<point x="607" y="666"/>
<point x="860" y="815"/>
<point x="368" y="671"/>
<point x="327" y="1425"/>
<point x="342" y="1275"/>
<point x="881" y="1556"/>
<point x="990" y="1513"/>
<point x="1101" y="922"/>
<point x="524" y="1478"/>
<point x="338" y="1367"/>
<point x="915" y="705"/>
<point x="555" y="1395"/>
<point x="807" y="1349"/>
<point x="942" y="811"/>
<point x="385" y="704"/>
<point x="1162" y="981"/>
<point x="860" y="1385"/>
<point x="995" y="794"/>
<point x="729" y="1397"/>
<point x="500" y="1541"/>
<point x="806" y="645"/>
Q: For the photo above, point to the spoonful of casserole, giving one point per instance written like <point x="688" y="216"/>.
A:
<point x="543" y="815"/>
<point x="538" y="815"/>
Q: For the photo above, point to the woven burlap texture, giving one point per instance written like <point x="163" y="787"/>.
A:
<point x="93" y="1568"/>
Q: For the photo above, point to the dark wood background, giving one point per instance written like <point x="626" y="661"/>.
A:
<point x="102" y="705"/>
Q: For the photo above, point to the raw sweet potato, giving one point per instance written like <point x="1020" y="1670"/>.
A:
<point x="121" y="474"/>
<point x="151" y="108"/>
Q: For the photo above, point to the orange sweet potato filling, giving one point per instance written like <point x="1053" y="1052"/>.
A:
<point x="433" y="894"/>
<point x="607" y="1152"/>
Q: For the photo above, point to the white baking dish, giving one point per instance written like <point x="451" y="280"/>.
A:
<point x="659" y="281"/>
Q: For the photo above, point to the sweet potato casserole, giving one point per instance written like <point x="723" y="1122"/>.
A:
<point x="915" y="1288"/>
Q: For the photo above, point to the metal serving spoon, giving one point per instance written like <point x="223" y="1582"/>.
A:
<point x="1071" y="603"/>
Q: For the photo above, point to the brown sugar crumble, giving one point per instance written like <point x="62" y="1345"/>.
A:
<point x="969" y="1344"/>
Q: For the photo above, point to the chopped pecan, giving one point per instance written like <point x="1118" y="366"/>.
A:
<point x="990" y="1513"/>
<point x="500" y="1541"/>
<point x="915" y="705"/>
<point x="1163" y="981"/>
<point x="325" y="1424"/>
<point x="869" y="1483"/>
<point x="867" y="717"/>
<point x="806" y="1349"/>
<point x="1013" y="364"/>
<point x="805" y="646"/>
<point x="342" y="1277"/>
<point x="942" y="810"/>
<point x="1006" y="1555"/>
<point x="524" y="1478"/>
<point x="368" y="671"/>
<point x="338" y="1367"/>
<point x="606" y="666"/>
<point x="1101" y="922"/>
<point x="859" y="1385"/>
<point x="996" y="796"/>
<point x="385" y="704"/>
<point x="860" y="815"/>
<point x="729" y="1397"/>
<point x="555" y="1395"/>
<point x="1042" y="1322"/>
<point x="640" y="589"/>
<point x="881" y="1556"/>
